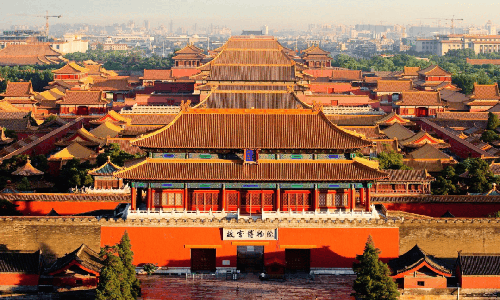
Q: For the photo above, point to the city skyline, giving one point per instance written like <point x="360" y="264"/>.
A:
<point x="279" y="15"/>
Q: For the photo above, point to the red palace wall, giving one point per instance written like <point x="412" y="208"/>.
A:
<point x="459" y="210"/>
<point x="41" y="208"/>
<point x="330" y="247"/>
<point x="429" y="282"/>
<point x="480" y="282"/>
<point x="18" y="279"/>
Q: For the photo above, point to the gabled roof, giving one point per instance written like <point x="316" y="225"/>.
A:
<point x="422" y="137"/>
<point x="265" y="170"/>
<point x="428" y="152"/>
<point x="495" y="168"/>
<point x="17" y="121"/>
<point x="252" y="129"/>
<point x="407" y="176"/>
<point x="157" y="75"/>
<point x="6" y="106"/>
<point x="20" y="262"/>
<point x="392" y="118"/>
<point x="396" y="86"/>
<point x="114" y="117"/>
<point x="83" y="98"/>
<point x="83" y="257"/>
<point x="420" y="98"/>
<point x="30" y="54"/>
<point x="479" y="264"/>
<point x="415" y="259"/>
<point x="434" y="70"/>
<point x="71" y="68"/>
<point x="398" y="131"/>
<point x="19" y="89"/>
<point x="485" y="92"/>
<point x="74" y="150"/>
<point x="107" y="169"/>
<point x="111" y="84"/>
<point x="105" y="130"/>
<point x="351" y="75"/>
<point x="27" y="170"/>
<point x="315" y="50"/>
<point x="83" y="137"/>
<point x="410" y="71"/>
<point x="360" y="120"/>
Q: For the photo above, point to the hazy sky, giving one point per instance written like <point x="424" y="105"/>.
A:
<point x="248" y="14"/>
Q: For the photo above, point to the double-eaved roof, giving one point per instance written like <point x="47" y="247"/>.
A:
<point x="251" y="129"/>
<point x="251" y="59"/>
<point x="265" y="170"/>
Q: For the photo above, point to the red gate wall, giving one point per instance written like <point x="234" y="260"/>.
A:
<point x="330" y="247"/>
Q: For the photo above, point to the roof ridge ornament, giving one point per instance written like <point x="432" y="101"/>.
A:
<point x="185" y="105"/>
<point x="316" y="106"/>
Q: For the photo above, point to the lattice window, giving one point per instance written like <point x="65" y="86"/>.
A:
<point x="156" y="199"/>
<point x="285" y="199"/>
<point x="232" y="198"/>
<point x="268" y="199"/>
<point x="322" y="199"/>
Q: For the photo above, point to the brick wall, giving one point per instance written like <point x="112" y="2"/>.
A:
<point x="55" y="236"/>
<point x="444" y="238"/>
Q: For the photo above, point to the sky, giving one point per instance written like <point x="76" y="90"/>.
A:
<point x="249" y="14"/>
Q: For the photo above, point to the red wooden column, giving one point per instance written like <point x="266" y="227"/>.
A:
<point x="316" y="197"/>
<point x="150" y="198"/>
<point x="278" y="198"/>
<point x="352" y="198"/>
<point x="133" y="200"/>
<point x="362" y="196"/>
<point x="367" y="200"/>
<point x="224" y="204"/>
<point x="185" y="197"/>
<point x="262" y="202"/>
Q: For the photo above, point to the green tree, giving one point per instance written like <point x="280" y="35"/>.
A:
<point x="116" y="155"/>
<point x="480" y="177"/>
<point x="372" y="276"/>
<point x="127" y="256"/>
<point x="7" y="208"/>
<point x="391" y="160"/>
<point x="74" y="174"/>
<point x="489" y="136"/>
<point x="493" y="121"/>
<point x="24" y="185"/>
<point x="113" y="284"/>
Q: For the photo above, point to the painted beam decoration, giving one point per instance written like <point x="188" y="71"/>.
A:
<point x="236" y="234"/>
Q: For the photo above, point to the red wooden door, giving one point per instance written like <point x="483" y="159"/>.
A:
<point x="254" y="201"/>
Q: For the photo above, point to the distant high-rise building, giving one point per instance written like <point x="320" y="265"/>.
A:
<point x="147" y="25"/>
<point x="265" y="30"/>
<point x="171" y="28"/>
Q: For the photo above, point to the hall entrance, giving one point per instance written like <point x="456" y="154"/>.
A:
<point x="298" y="260"/>
<point x="250" y="259"/>
<point x="203" y="260"/>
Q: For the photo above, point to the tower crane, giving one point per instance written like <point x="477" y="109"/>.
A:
<point x="452" y="23"/>
<point x="46" y="16"/>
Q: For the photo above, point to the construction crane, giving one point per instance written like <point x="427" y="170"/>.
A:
<point x="46" y="16"/>
<point x="452" y="24"/>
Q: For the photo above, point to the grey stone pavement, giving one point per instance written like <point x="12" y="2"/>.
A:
<point x="250" y="287"/>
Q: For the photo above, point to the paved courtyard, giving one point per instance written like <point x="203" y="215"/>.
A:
<point x="250" y="287"/>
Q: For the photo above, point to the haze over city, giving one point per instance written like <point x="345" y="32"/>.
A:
<point x="237" y="15"/>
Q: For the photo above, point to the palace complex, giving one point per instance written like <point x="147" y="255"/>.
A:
<point x="251" y="158"/>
